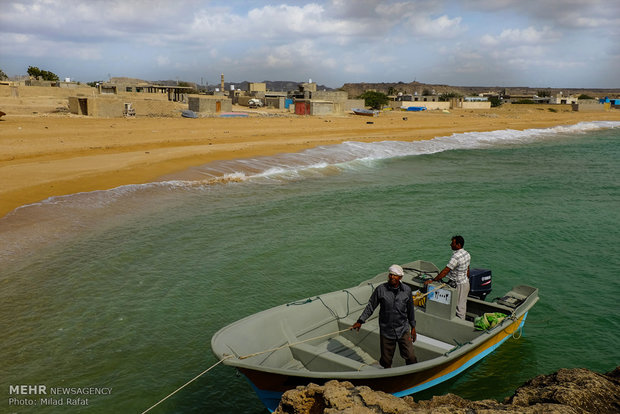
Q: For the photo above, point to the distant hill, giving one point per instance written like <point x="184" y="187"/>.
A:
<point x="275" y="86"/>
<point x="356" y="89"/>
<point x="133" y="81"/>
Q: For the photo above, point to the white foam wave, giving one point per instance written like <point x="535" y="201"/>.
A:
<point x="352" y="154"/>
<point x="63" y="215"/>
<point x="323" y="160"/>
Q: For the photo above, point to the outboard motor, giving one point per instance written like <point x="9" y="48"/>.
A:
<point x="479" y="283"/>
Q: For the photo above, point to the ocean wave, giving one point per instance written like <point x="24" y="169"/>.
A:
<point x="353" y="154"/>
<point x="318" y="161"/>
<point x="58" y="217"/>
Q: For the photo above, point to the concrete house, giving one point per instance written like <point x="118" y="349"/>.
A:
<point x="209" y="104"/>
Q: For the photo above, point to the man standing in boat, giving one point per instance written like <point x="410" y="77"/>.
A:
<point x="458" y="270"/>
<point x="396" y="318"/>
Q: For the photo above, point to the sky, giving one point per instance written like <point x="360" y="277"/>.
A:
<point x="536" y="43"/>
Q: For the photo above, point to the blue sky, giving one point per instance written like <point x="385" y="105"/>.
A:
<point x="537" y="43"/>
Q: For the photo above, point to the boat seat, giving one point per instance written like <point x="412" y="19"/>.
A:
<point x="343" y="347"/>
<point x="369" y="334"/>
<point x="295" y="365"/>
<point x="317" y="359"/>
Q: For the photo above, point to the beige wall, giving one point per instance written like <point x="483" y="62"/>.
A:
<point x="427" y="105"/>
<point x="155" y="107"/>
<point x="143" y="95"/>
<point x="589" y="107"/>
<point x="308" y="87"/>
<point x="114" y="106"/>
<point x="244" y="99"/>
<point x="100" y="107"/>
<point x="209" y="104"/>
<point x="321" y="108"/>
<point x="257" y="87"/>
<point x="353" y="103"/>
<point x="275" y="102"/>
<point x="334" y="96"/>
<point x="476" y="105"/>
<point x="32" y="91"/>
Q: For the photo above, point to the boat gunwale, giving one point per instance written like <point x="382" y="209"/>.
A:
<point x="453" y="354"/>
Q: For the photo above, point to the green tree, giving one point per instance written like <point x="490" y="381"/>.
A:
<point x="426" y="92"/>
<point x="3" y="75"/>
<point x="449" y="95"/>
<point x="375" y="100"/>
<point x="495" y="101"/>
<point x="44" y="74"/>
<point x="543" y="94"/>
<point x="584" y="96"/>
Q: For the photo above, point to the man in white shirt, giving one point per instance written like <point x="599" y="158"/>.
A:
<point x="458" y="270"/>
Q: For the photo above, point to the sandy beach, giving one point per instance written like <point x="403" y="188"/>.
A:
<point x="47" y="154"/>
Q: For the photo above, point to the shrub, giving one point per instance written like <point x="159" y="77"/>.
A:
<point x="375" y="100"/>
<point x="495" y="101"/>
<point x="449" y="95"/>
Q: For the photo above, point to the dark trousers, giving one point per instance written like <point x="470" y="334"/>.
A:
<point x="388" y="346"/>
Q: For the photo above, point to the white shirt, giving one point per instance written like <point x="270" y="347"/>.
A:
<point x="458" y="264"/>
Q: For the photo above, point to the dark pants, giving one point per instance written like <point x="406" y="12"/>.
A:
<point x="388" y="346"/>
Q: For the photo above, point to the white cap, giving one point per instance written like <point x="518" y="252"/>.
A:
<point x="396" y="270"/>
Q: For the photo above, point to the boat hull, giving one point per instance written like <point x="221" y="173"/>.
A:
<point x="365" y="112"/>
<point x="273" y="385"/>
<point x="311" y="341"/>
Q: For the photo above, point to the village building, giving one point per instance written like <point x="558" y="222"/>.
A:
<point x="209" y="104"/>
<point x="588" y="105"/>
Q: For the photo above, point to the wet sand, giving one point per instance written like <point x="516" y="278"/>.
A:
<point x="44" y="155"/>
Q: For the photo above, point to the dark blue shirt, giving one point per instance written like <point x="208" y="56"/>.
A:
<point x="396" y="314"/>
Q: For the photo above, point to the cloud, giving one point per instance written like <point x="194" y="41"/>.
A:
<point x="529" y="35"/>
<point x="440" y="27"/>
<point x="578" y="14"/>
<point x="32" y="46"/>
<point x="163" y="61"/>
<point x="335" y="41"/>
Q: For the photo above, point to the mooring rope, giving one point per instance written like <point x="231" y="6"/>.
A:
<point x="430" y="291"/>
<point x="240" y="357"/>
<point x="187" y="383"/>
<point x="420" y="297"/>
<point x="264" y="352"/>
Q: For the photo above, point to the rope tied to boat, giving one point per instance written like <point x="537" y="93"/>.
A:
<point x="187" y="383"/>
<point x="430" y="291"/>
<point x="519" y="328"/>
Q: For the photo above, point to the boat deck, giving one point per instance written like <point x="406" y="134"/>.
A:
<point x="355" y="351"/>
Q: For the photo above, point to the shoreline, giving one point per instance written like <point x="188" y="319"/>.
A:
<point x="47" y="155"/>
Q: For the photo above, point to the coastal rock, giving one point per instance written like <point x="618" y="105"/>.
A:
<point x="582" y="389"/>
<point x="567" y="391"/>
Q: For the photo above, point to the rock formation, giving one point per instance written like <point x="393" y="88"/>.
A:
<point x="567" y="391"/>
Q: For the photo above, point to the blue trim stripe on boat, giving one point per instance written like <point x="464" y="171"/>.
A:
<point x="457" y="371"/>
<point x="270" y="399"/>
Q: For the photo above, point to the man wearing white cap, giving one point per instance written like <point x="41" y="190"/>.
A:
<point x="396" y="317"/>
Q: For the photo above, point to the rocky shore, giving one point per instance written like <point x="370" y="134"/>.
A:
<point x="567" y="391"/>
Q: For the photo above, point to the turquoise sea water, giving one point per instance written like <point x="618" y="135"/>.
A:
<point x="123" y="289"/>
